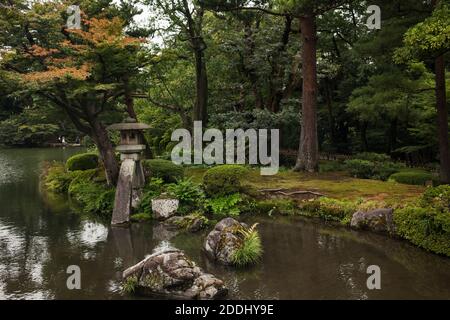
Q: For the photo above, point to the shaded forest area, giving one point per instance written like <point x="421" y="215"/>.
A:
<point x="313" y="69"/>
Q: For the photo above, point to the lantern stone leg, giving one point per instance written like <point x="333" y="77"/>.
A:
<point x="131" y="176"/>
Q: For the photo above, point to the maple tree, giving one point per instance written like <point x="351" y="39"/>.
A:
<point x="85" y="72"/>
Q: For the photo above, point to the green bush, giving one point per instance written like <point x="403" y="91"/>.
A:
<point x="425" y="227"/>
<point x="223" y="179"/>
<point x="250" y="250"/>
<point x="225" y="206"/>
<point x="372" y="156"/>
<point x="141" y="217"/>
<point x="437" y="197"/>
<point x="188" y="192"/>
<point x="414" y="177"/>
<point x="83" y="161"/>
<point x="164" y="169"/>
<point x="363" y="169"/>
<point x="56" y="179"/>
<point x="366" y="169"/>
<point x="94" y="197"/>
<point x="331" y="166"/>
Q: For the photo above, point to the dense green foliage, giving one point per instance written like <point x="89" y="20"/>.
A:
<point x="223" y="180"/>
<point x="164" y="169"/>
<point x="83" y="161"/>
<point x="425" y="227"/>
<point x="416" y="177"/>
<point x="225" y="206"/>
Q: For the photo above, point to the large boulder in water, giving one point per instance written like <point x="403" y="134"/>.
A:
<point x="379" y="220"/>
<point x="224" y="242"/>
<point x="169" y="273"/>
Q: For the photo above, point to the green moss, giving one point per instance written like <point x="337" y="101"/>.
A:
<point x="330" y="209"/>
<point x="164" y="169"/>
<point x="250" y="248"/>
<point x="141" y="217"/>
<point x="426" y="227"/>
<point x="83" y="161"/>
<point x="187" y="222"/>
<point x="276" y="207"/>
<point x="224" y="179"/>
<point x="415" y="177"/>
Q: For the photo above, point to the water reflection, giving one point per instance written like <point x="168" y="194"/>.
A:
<point x="40" y="237"/>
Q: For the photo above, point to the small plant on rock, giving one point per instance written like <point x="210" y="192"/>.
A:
<point x="250" y="250"/>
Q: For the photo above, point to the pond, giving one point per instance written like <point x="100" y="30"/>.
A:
<point x="40" y="236"/>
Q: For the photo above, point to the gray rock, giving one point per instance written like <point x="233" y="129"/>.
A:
<point x="164" y="208"/>
<point x="221" y="242"/>
<point x="379" y="220"/>
<point x="169" y="273"/>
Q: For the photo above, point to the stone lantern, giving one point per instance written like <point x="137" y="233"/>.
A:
<point x="131" y="177"/>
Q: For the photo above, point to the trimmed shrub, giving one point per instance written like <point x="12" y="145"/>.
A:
<point x="83" y="161"/>
<point x="437" y="197"/>
<point x="366" y="169"/>
<point x="414" y="177"/>
<point x="331" y="166"/>
<point x="363" y="169"/>
<point x="425" y="227"/>
<point x="224" y="179"/>
<point x="164" y="169"/>
<point x="372" y="156"/>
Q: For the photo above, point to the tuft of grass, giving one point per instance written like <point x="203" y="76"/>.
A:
<point x="141" y="217"/>
<point x="251" y="250"/>
<point x="130" y="284"/>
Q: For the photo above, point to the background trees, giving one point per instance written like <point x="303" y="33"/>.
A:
<point x="310" y="68"/>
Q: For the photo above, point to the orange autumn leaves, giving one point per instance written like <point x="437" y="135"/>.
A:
<point x="71" y="59"/>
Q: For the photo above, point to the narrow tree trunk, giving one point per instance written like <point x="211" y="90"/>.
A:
<point x="200" y="112"/>
<point x="442" y="119"/>
<point x="107" y="155"/>
<point x="308" y="155"/>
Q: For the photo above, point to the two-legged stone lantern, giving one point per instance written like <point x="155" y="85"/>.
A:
<point x="131" y="176"/>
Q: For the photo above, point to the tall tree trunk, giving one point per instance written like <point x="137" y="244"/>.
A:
<point x="200" y="112"/>
<point x="106" y="149"/>
<point x="442" y="119"/>
<point x="308" y="155"/>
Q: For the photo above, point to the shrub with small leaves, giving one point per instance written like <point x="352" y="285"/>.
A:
<point x="83" y="161"/>
<point x="224" y="179"/>
<point x="164" y="169"/>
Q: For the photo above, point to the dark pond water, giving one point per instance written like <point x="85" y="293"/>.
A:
<point x="40" y="236"/>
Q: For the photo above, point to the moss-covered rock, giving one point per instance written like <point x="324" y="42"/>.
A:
<point x="170" y="273"/>
<point x="378" y="220"/>
<point x="83" y="161"/>
<point x="233" y="243"/>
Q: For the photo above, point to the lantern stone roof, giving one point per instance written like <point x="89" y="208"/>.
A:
<point x="129" y="124"/>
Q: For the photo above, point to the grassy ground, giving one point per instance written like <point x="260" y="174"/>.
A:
<point x="332" y="184"/>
